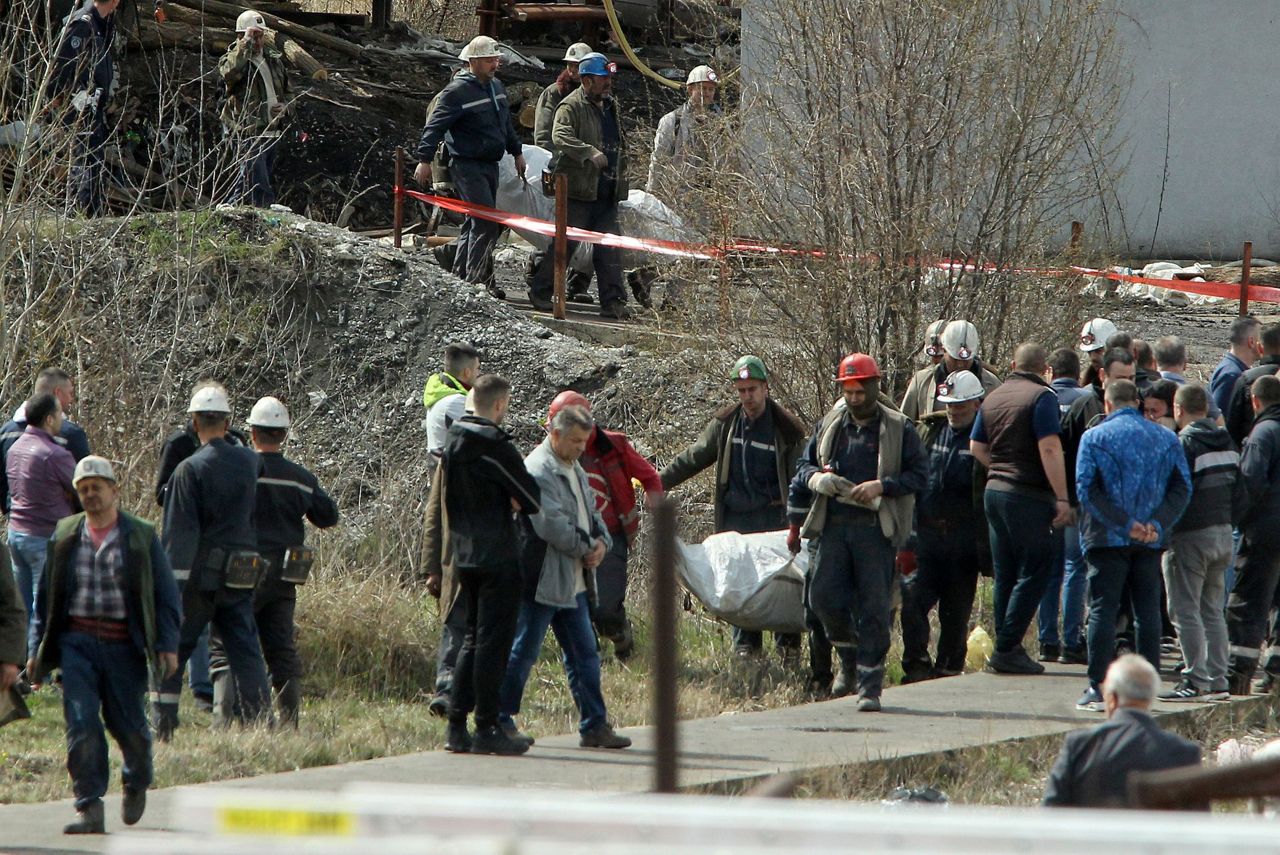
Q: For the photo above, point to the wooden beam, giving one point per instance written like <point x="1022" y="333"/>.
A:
<point x="298" y="31"/>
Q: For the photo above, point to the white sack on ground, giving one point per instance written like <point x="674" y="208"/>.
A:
<point x="749" y="580"/>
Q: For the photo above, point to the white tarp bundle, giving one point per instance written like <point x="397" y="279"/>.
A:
<point x="1104" y="287"/>
<point x="641" y="215"/>
<point x="749" y="580"/>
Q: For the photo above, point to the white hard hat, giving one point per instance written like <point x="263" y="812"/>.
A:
<point x="248" y="20"/>
<point x="210" y="399"/>
<point x="481" y="47"/>
<point x="93" y="467"/>
<point x="960" y="386"/>
<point x="960" y="340"/>
<point x="269" y="413"/>
<point x="1094" y="335"/>
<point x="933" y="332"/>
<point x="702" y="74"/>
<point x="577" y="51"/>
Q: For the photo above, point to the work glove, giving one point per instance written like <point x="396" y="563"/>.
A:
<point x="829" y="484"/>
<point x="793" y="540"/>
<point x="905" y="562"/>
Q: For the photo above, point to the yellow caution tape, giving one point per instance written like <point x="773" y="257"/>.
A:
<point x="285" y="823"/>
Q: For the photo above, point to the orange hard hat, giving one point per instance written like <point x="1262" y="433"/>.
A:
<point x="857" y="366"/>
<point x="567" y="398"/>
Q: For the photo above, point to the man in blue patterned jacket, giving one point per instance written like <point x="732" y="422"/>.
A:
<point x="1133" y="484"/>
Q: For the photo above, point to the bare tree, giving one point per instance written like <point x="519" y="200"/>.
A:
<point x="891" y="135"/>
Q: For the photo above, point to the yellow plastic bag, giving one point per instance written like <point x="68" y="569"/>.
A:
<point x="979" y="650"/>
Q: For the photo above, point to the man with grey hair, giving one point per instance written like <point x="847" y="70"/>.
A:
<point x="1093" y="769"/>
<point x="565" y="541"/>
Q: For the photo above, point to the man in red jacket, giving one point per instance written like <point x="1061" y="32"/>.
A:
<point x="611" y="463"/>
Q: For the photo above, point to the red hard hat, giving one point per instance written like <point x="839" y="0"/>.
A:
<point x="567" y="398"/>
<point x="857" y="366"/>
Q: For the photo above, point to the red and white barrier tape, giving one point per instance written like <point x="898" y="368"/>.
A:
<point x="707" y="252"/>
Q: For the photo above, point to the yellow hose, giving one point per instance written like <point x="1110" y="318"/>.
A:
<point x="630" y="54"/>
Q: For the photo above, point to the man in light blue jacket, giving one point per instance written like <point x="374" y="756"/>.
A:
<point x="564" y="543"/>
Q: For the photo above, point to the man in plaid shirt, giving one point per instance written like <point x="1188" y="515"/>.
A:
<point x="106" y="611"/>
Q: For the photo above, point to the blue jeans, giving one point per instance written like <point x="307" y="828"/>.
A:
<point x="577" y="640"/>
<point x="1025" y="549"/>
<point x="1110" y="568"/>
<point x="110" y="677"/>
<point x="198" y="674"/>
<point x="28" y="552"/>
<point x="1068" y="587"/>
<point x="253" y="184"/>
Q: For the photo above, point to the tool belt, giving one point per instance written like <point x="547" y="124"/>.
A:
<point x="295" y="566"/>
<point x="244" y="569"/>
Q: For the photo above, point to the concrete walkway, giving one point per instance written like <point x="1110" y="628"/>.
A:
<point x="923" y="718"/>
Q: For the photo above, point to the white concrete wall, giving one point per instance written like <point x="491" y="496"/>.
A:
<point x="1209" y="73"/>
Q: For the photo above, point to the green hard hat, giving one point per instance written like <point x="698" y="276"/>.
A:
<point x="749" y="368"/>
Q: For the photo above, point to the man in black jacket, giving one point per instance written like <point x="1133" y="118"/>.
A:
<point x="288" y="494"/>
<point x="1258" y="560"/>
<point x="1195" y="564"/>
<point x="473" y="121"/>
<point x="1093" y="769"/>
<point x="487" y="481"/>
<point x="1240" y="419"/>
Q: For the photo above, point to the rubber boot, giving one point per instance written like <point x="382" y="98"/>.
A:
<point x="847" y="680"/>
<point x="225" y="698"/>
<point x="1240" y="676"/>
<point x="89" y="820"/>
<point x="289" y="697"/>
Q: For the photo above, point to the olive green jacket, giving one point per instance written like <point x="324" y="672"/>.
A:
<point x="576" y="136"/>
<point x="544" y="115"/>
<point x="246" y="109"/>
<point x="13" y="616"/>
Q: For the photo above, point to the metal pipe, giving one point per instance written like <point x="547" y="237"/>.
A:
<point x="397" y="221"/>
<point x="561" y="249"/>
<point x="665" y="756"/>
<point x="557" y="12"/>
<point x="1246" y="266"/>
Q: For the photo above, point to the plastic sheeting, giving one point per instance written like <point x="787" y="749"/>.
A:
<point x="749" y="580"/>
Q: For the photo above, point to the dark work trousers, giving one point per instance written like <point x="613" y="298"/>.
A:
<point x="1026" y="551"/>
<point x="87" y="171"/>
<point x="452" y="633"/>
<point x="1111" y="568"/>
<point x="1271" y="656"/>
<point x="110" y="677"/>
<point x="230" y="611"/>
<point x="475" y="181"/>
<point x="253" y="183"/>
<point x="820" y="649"/>
<point x="851" y="592"/>
<point x="493" y="607"/>
<point x="1252" y="596"/>
<point x="274" y="602"/>
<point x="595" y="216"/>
<point x="771" y="518"/>
<point x="610" y="612"/>
<point x="947" y="577"/>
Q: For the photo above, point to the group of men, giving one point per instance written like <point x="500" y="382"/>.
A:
<point x="114" y="608"/>
<point x="469" y="129"/>
<point x="1099" y="500"/>
<point x="253" y="92"/>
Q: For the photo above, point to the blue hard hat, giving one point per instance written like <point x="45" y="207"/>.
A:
<point x="596" y="64"/>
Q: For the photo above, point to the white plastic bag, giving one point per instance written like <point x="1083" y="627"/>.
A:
<point x="749" y="580"/>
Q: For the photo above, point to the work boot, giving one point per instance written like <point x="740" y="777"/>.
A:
<point x="624" y="644"/>
<point x="166" y="721"/>
<point x="916" y="672"/>
<point x="869" y="703"/>
<point x="495" y="291"/>
<point x="846" y="680"/>
<point x="1050" y="652"/>
<point x="578" y="287"/>
<point x="616" y="310"/>
<point x="542" y="304"/>
<point x="641" y="282"/>
<point x="602" y="736"/>
<point x="510" y="729"/>
<point x="492" y="740"/>
<point x="289" y="697"/>
<point x="224" y="698"/>
<point x="89" y="820"/>
<point x="133" y="806"/>
<point x="1015" y="661"/>
<point x="456" y="738"/>
<point x="439" y="704"/>
<point x="1073" y="656"/>
<point x="1267" y="685"/>
<point x="1240" y="677"/>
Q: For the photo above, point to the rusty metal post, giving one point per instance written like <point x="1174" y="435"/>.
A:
<point x="1077" y="238"/>
<point x="561" y="249"/>
<point x="397" y="219"/>
<point x="487" y="17"/>
<point x="663" y="644"/>
<point x="381" y="14"/>
<point x="1245" y="267"/>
